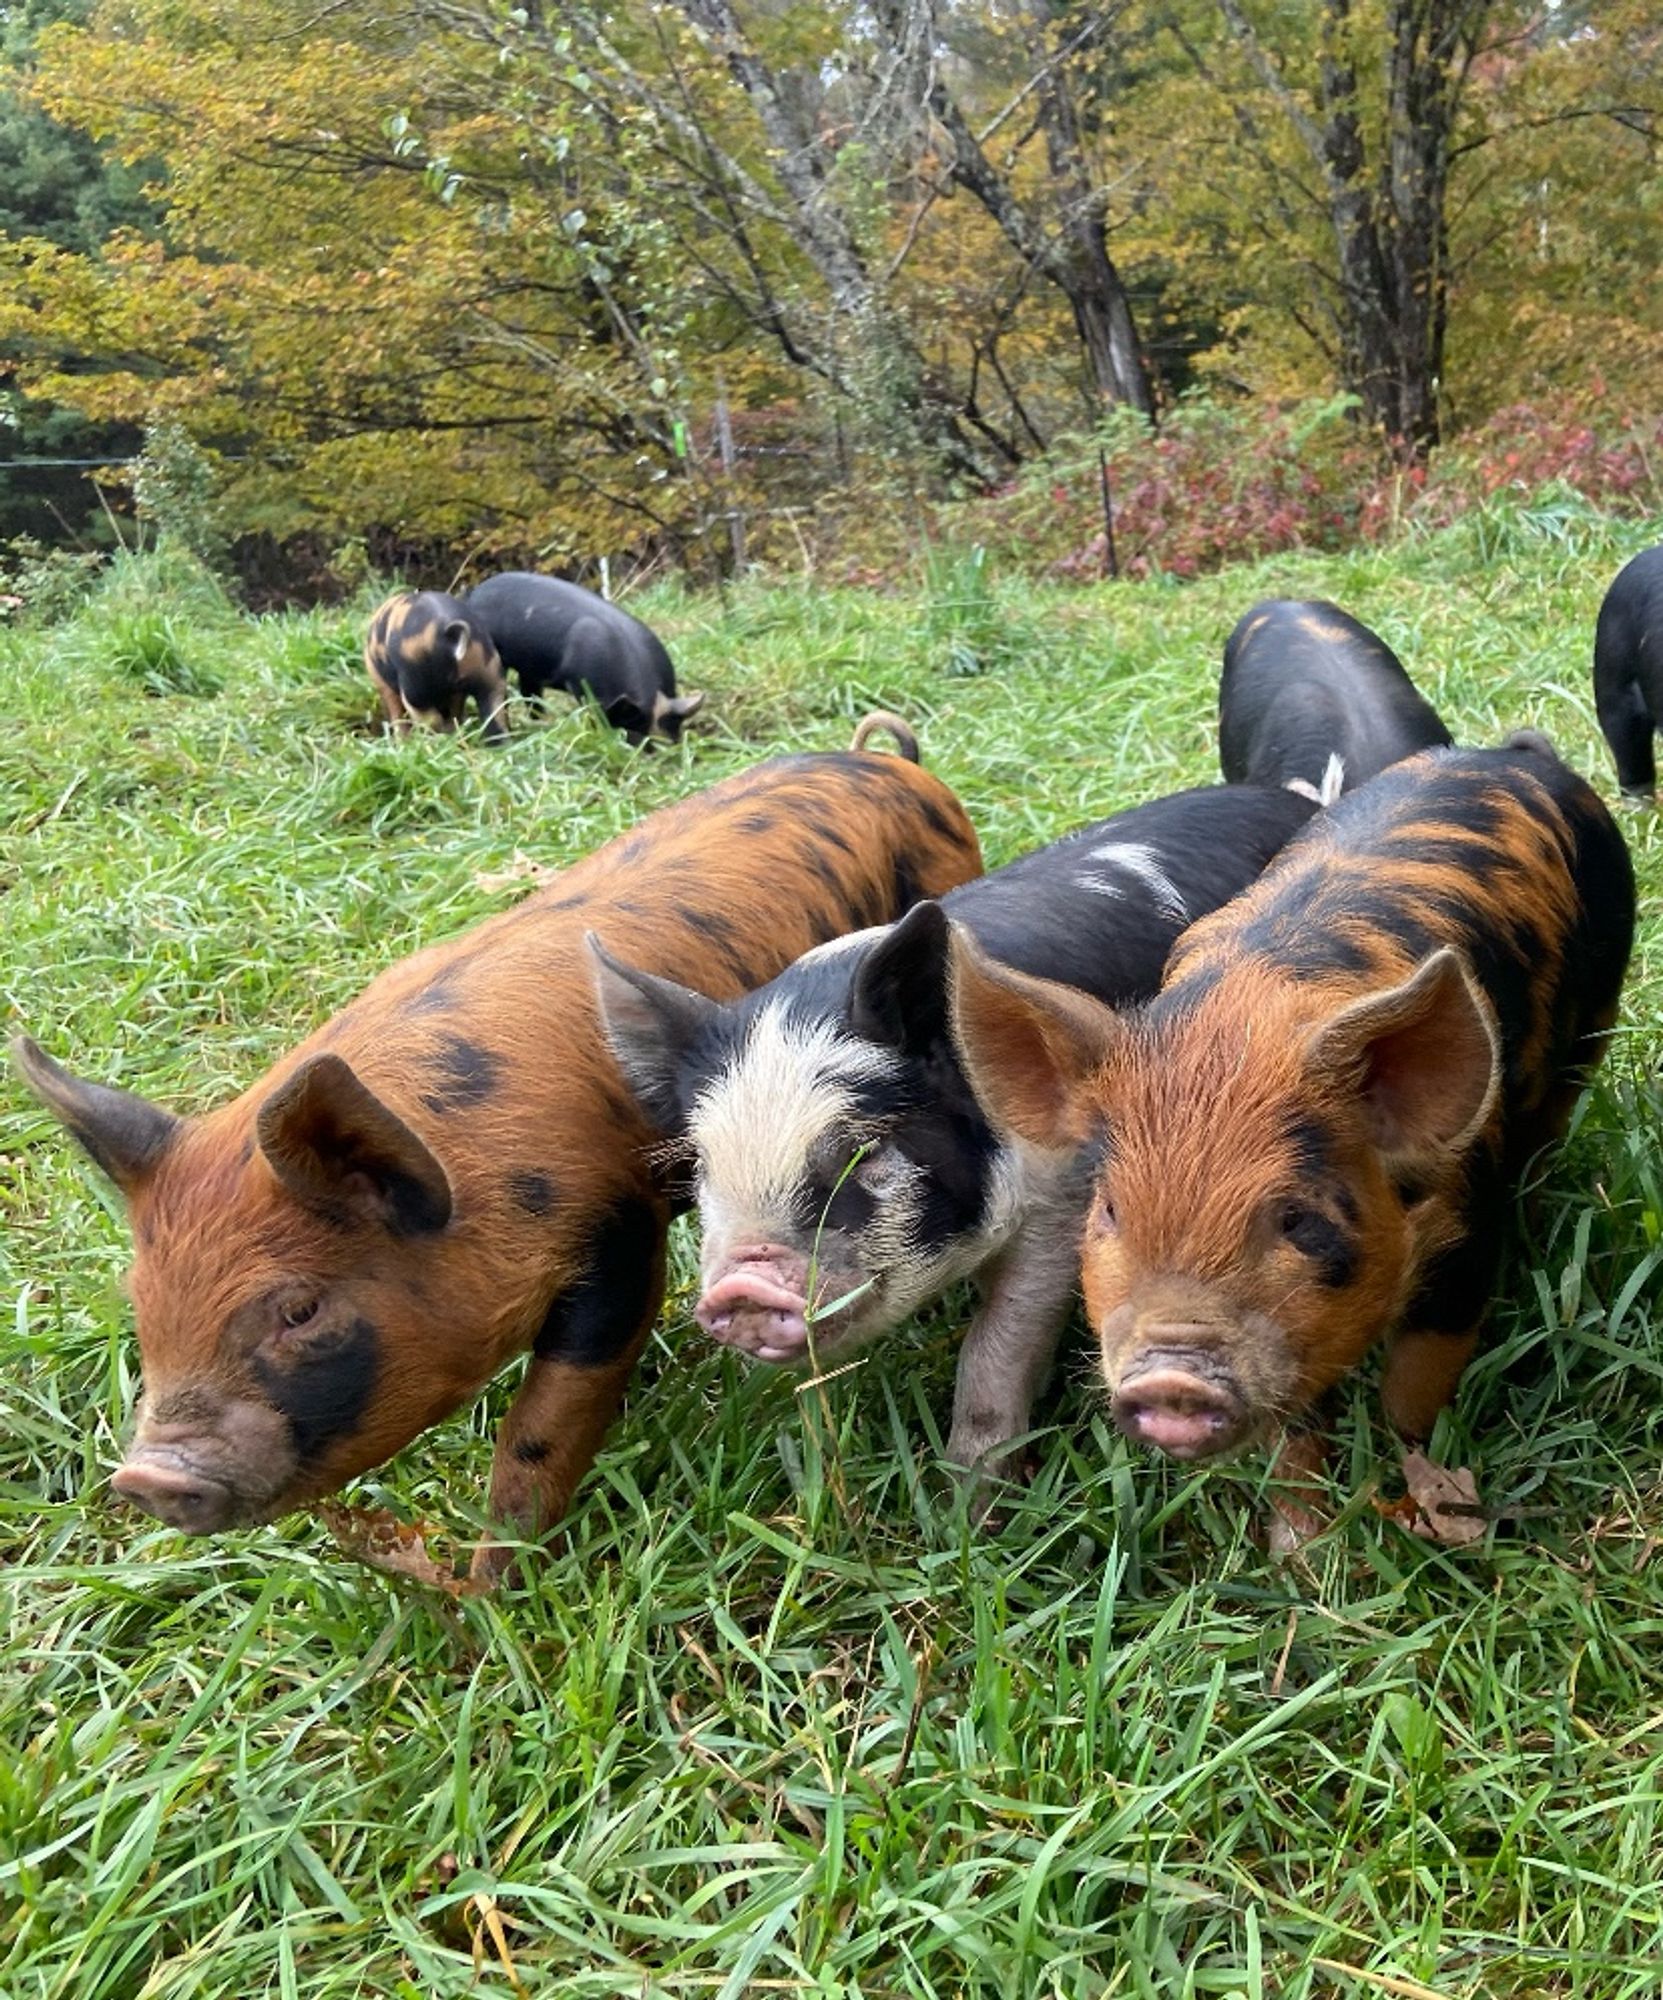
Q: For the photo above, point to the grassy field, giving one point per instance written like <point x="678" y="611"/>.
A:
<point x="774" y="1719"/>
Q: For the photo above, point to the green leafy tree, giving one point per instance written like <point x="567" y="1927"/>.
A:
<point x="57" y="185"/>
<point x="1352" y="183"/>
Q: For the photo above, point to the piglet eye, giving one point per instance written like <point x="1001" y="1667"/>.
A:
<point x="1307" y="1229"/>
<point x="296" y="1312"/>
<point x="1105" y="1209"/>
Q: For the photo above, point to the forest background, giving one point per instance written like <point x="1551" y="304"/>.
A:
<point x="796" y="283"/>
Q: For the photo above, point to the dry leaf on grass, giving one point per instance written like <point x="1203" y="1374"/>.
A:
<point x="1441" y="1505"/>
<point x="522" y="869"/>
<point x="376" y="1536"/>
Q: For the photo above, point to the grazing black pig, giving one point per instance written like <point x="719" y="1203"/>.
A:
<point x="1628" y="670"/>
<point x="427" y="657"/>
<point x="846" y="1174"/>
<point x="1314" y="700"/>
<point x="558" y="635"/>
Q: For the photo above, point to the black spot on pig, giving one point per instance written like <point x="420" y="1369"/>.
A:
<point x="935" y="819"/>
<point x="1331" y="1249"/>
<point x="711" y="924"/>
<point x="533" y="1192"/>
<point x="326" y="1387"/>
<point x="465" y="1075"/>
<point x="439" y="993"/>
<point x="594" y="1318"/>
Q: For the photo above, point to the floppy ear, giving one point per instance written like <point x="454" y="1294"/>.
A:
<point x="670" y="713"/>
<point x="337" y="1148"/>
<point x="122" y="1134"/>
<point x="1425" y="1056"/>
<point x="899" y="997"/>
<point x="457" y="636"/>
<point x="1030" y="1047"/>
<point x="652" y="1024"/>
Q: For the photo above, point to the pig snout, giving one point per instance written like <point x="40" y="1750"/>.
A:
<point x="759" y="1303"/>
<point x="220" y="1463"/>
<point x="1183" y="1401"/>
<point x="168" y="1485"/>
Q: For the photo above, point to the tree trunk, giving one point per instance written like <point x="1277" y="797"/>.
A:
<point x="1085" y="271"/>
<point x="1370" y="353"/>
<point x="1388" y="218"/>
<point x="1076" y="257"/>
<point x="881" y="366"/>
<point x="1393" y="239"/>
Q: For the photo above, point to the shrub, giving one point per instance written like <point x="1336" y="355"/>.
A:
<point x="176" y="489"/>
<point x="1216" y="483"/>
<point x="53" y="583"/>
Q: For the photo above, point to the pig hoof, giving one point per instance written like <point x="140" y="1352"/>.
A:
<point x="1291" y="1528"/>
<point x="492" y="1564"/>
<point x="985" y="1479"/>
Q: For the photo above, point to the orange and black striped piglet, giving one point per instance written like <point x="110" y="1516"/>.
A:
<point x="452" y="1170"/>
<point x="427" y="657"/>
<point x="1308" y="1141"/>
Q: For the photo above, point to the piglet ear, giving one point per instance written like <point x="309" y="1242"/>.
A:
<point x="123" y="1134"/>
<point x="1030" y="1047"/>
<point x="1425" y="1056"/>
<point x="457" y="636"/>
<point x="899" y="996"/>
<point x="652" y="1024"/>
<point x="679" y="705"/>
<point x="337" y="1148"/>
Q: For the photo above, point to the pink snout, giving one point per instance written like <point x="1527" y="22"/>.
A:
<point x="759" y="1303"/>
<point x="166" y="1485"/>
<point x="1179" y="1404"/>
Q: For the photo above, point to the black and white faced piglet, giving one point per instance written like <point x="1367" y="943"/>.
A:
<point x="844" y="1171"/>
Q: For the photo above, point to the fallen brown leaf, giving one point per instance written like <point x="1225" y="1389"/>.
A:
<point x="1447" y="1508"/>
<point x="521" y="869"/>
<point x="376" y="1536"/>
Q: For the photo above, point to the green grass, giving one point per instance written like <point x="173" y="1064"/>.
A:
<point x="774" y="1719"/>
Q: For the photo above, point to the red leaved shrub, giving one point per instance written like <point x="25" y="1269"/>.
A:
<point x="1225" y="483"/>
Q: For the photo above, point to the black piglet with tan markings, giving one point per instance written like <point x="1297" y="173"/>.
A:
<point x="846" y="1173"/>
<point x="428" y="657"/>
<point x="554" y="634"/>
<point x="1312" y="699"/>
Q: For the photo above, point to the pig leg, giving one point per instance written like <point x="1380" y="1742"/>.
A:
<point x="1628" y="727"/>
<point x="546" y="1443"/>
<point x="484" y="680"/>
<point x="1423" y="1366"/>
<point x="592" y="1336"/>
<point x="392" y="704"/>
<point x="490" y="698"/>
<point x="1424" y="1360"/>
<point x="1425" y="1356"/>
<point x="1007" y="1354"/>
